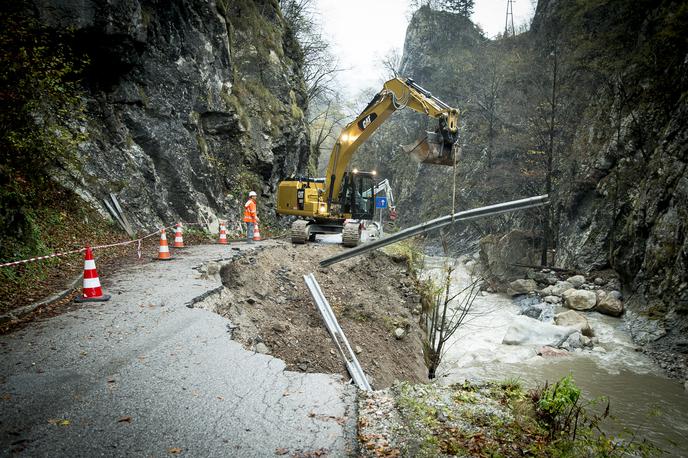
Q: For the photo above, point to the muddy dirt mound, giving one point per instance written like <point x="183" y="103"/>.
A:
<point x="266" y="298"/>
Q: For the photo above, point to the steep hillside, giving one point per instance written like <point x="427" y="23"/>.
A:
<point x="590" y="103"/>
<point x="622" y="196"/>
<point x="184" y="106"/>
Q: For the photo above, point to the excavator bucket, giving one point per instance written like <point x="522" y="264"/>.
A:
<point x="431" y="149"/>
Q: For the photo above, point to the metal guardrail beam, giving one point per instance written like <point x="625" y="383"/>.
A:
<point x="340" y="341"/>
<point x="437" y="223"/>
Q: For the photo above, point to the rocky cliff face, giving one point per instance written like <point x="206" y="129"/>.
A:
<point x="619" y="174"/>
<point x="190" y="104"/>
<point x="622" y="193"/>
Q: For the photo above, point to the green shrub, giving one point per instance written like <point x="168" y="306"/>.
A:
<point x="40" y="109"/>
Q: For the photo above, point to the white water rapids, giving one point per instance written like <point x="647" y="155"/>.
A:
<point x="642" y="399"/>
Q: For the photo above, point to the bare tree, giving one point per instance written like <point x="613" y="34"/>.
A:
<point x="320" y="66"/>
<point x="325" y="122"/>
<point x="448" y="311"/>
<point x="547" y="123"/>
<point x="391" y="64"/>
<point x="492" y="79"/>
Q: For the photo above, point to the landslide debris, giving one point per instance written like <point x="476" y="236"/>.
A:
<point x="373" y="296"/>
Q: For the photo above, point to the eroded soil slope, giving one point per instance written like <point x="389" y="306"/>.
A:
<point x="372" y="296"/>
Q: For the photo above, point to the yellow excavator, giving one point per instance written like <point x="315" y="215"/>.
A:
<point x="342" y="200"/>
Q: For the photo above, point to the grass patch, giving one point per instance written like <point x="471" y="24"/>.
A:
<point x="496" y="419"/>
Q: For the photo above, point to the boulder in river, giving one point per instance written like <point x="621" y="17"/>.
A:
<point x="576" y="341"/>
<point x="547" y="291"/>
<point x="552" y="299"/>
<point x="574" y="319"/>
<point x="521" y="286"/>
<point x="528" y="331"/>
<point x="560" y="288"/>
<point x="609" y="305"/>
<point x="616" y="294"/>
<point x="540" y="277"/>
<point x="541" y="311"/>
<point x="578" y="299"/>
<point x="577" y="280"/>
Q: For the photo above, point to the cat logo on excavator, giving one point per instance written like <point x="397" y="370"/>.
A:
<point x="363" y="123"/>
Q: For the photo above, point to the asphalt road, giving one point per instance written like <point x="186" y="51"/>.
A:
<point x="144" y="375"/>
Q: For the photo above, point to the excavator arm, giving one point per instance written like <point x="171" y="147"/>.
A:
<point x="396" y="94"/>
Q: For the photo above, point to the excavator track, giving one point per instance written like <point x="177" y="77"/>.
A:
<point x="299" y="231"/>
<point x="351" y="235"/>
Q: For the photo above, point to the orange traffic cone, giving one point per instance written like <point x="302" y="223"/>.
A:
<point x="178" y="239"/>
<point x="256" y="233"/>
<point x="164" y="251"/>
<point x="223" y="234"/>
<point x="92" y="292"/>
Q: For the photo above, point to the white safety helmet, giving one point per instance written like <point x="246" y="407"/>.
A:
<point x="252" y="194"/>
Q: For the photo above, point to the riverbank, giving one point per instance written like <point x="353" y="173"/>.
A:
<point x="642" y="398"/>
<point x="486" y="419"/>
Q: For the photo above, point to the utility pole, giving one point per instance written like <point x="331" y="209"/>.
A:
<point x="509" y="29"/>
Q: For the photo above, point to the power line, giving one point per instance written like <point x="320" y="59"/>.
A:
<point x="509" y="29"/>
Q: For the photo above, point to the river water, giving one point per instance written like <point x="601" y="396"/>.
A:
<point x="642" y="400"/>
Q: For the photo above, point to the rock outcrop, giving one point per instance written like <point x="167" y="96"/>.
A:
<point x="189" y="105"/>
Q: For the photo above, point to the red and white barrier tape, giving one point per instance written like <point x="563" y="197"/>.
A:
<point x="81" y="250"/>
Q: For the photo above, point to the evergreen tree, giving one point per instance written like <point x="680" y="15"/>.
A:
<point x="463" y="7"/>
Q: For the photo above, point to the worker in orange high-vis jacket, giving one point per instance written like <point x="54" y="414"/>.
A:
<point x="250" y="215"/>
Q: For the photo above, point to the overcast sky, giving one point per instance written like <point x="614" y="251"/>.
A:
<point x="363" y="31"/>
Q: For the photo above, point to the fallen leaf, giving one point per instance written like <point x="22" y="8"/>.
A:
<point x="126" y="419"/>
<point x="6" y="397"/>
<point x="59" y="422"/>
<point x="281" y="451"/>
<point x="174" y="450"/>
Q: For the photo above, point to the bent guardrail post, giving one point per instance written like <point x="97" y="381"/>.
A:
<point x="465" y="215"/>
<point x="340" y="340"/>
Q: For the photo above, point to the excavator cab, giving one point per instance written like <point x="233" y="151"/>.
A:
<point x="357" y="198"/>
